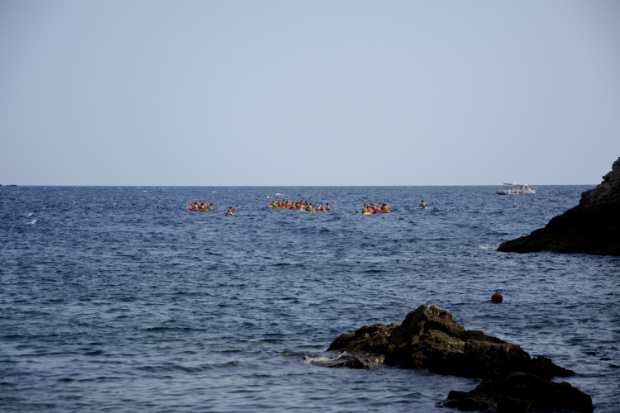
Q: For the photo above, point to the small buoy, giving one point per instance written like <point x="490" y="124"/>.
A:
<point x="497" y="297"/>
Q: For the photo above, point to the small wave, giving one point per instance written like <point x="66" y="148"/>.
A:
<point x="489" y="246"/>
<point x="318" y="359"/>
<point x="31" y="214"/>
<point x="34" y="221"/>
<point x="162" y="368"/>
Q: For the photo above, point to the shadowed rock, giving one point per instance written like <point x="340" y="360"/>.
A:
<point x="591" y="227"/>
<point x="429" y="337"/>
<point x="521" y="392"/>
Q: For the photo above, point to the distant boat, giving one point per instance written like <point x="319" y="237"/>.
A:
<point x="517" y="189"/>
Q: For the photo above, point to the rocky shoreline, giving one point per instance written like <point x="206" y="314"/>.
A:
<point x="430" y="338"/>
<point x="592" y="227"/>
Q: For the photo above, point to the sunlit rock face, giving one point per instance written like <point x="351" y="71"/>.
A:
<point x="592" y="227"/>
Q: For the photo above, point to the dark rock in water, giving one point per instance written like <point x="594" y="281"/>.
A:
<point x="591" y="227"/>
<point x="430" y="338"/>
<point x="519" y="392"/>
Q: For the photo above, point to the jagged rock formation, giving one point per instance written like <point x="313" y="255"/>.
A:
<point x="429" y="337"/>
<point x="591" y="227"/>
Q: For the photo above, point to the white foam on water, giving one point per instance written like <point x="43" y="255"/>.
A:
<point x="489" y="246"/>
<point x="34" y="221"/>
<point x="31" y="214"/>
<point x="317" y="359"/>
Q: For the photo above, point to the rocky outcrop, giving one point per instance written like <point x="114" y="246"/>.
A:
<point x="591" y="227"/>
<point x="521" y="392"/>
<point x="429" y="337"/>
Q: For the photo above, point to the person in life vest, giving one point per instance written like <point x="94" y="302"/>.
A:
<point x="231" y="211"/>
<point x="273" y="204"/>
<point x="328" y="208"/>
<point x="196" y="206"/>
<point x="365" y="210"/>
<point x="310" y="208"/>
<point x="422" y="204"/>
<point x="322" y="207"/>
<point x="385" y="208"/>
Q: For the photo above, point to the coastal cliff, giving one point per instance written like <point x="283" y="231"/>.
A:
<point x="592" y="227"/>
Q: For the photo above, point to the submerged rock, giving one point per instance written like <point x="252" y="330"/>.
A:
<point x="429" y="337"/>
<point x="591" y="227"/>
<point x="519" y="392"/>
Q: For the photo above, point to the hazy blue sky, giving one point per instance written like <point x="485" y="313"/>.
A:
<point x="308" y="93"/>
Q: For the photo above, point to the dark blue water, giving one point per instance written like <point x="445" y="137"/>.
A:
<point x="119" y="299"/>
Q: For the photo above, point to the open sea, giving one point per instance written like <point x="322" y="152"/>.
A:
<point x="119" y="299"/>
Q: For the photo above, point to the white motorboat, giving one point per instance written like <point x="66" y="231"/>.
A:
<point x="516" y="189"/>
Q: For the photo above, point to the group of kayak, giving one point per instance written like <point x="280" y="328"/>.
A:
<point x="373" y="209"/>
<point x="300" y="205"/>
<point x="204" y="207"/>
<point x="200" y="206"/>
